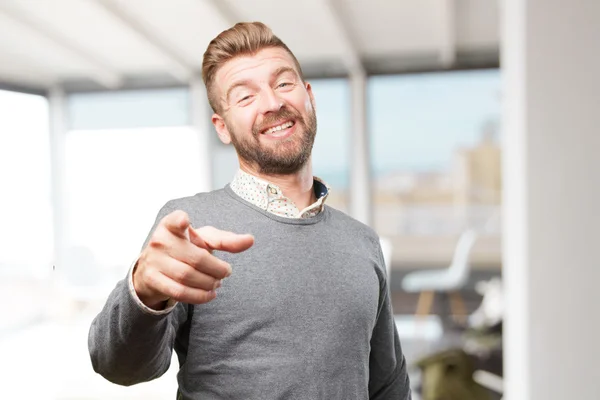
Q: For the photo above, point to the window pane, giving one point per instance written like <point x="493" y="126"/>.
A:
<point x="330" y="153"/>
<point x="436" y="162"/>
<point x="117" y="180"/>
<point x="25" y="212"/>
<point x="224" y="161"/>
<point x="129" y="109"/>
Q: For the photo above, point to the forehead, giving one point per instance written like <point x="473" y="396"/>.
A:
<point x="251" y="67"/>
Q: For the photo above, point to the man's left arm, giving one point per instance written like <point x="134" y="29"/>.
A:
<point x="388" y="375"/>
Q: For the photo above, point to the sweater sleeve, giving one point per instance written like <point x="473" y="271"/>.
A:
<point x="128" y="344"/>
<point x="388" y="375"/>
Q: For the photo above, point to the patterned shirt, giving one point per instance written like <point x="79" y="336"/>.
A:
<point x="270" y="198"/>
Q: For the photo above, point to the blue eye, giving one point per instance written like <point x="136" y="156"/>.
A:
<point x="283" y="84"/>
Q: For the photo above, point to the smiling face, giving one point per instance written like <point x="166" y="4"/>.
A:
<point x="266" y="111"/>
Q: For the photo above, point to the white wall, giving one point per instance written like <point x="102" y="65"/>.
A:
<point x="551" y="61"/>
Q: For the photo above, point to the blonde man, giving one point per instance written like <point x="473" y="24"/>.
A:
<point x="263" y="291"/>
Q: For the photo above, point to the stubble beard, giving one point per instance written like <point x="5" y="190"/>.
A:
<point x="282" y="157"/>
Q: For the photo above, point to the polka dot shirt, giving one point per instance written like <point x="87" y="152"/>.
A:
<point x="270" y="198"/>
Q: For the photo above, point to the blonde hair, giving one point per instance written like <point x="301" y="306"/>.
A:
<point x="244" y="38"/>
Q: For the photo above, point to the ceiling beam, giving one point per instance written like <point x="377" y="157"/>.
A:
<point x="350" y="55"/>
<point x="24" y="70"/>
<point x="179" y="67"/>
<point x="101" y="72"/>
<point x="448" y="33"/>
<point x="23" y="88"/>
<point x="229" y="15"/>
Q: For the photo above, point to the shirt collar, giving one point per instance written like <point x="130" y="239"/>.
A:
<point x="270" y="198"/>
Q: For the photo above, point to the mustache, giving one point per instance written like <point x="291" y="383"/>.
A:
<point x="272" y="118"/>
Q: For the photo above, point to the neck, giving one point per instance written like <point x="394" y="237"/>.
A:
<point x="298" y="187"/>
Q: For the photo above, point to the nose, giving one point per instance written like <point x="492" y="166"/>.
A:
<point x="270" y="101"/>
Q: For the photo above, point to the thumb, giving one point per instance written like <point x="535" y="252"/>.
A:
<point x="211" y="238"/>
<point x="177" y="223"/>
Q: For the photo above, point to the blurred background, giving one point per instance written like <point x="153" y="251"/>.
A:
<point x="479" y="178"/>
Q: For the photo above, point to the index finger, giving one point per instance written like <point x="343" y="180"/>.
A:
<point x="177" y="223"/>
<point x="211" y="238"/>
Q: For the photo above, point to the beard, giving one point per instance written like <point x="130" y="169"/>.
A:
<point x="282" y="157"/>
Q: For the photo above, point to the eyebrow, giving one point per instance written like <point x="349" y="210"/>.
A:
<point x="282" y="70"/>
<point x="278" y="72"/>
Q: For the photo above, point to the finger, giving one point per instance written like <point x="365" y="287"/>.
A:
<point x="180" y="292"/>
<point x="177" y="223"/>
<point x="189" y="276"/>
<point x="203" y="261"/>
<point x="197" y="240"/>
<point x="215" y="239"/>
<point x="172" y="248"/>
<point x="197" y="258"/>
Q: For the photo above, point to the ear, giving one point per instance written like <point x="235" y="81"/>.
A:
<point x="310" y="94"/>
<point x="221" y="128"/>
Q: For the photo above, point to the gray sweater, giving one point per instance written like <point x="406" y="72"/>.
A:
<point x="306" y="314"/>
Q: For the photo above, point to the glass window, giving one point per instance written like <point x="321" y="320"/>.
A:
<point x="435" y="154"/>
<point x="126" y="154"/>
<point x="118" y="174"/>
<point x="117" y="180"/>
<point x="25" y="205"/>
<point x="129" y="109"/>
<point x="332" y="143"/>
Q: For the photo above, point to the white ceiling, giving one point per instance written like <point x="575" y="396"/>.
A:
<point x="115" y="43"/>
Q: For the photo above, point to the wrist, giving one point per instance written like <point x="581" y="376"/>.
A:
<point x="156" y="305"/>
<point x="155" y="301"/>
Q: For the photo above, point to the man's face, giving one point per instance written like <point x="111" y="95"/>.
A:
<point x="267" y="112"/>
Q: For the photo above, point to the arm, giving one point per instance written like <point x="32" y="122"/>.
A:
<point x="388" y="376"/>
<point x="128" y="342"/>
<point x="132" y="338"/>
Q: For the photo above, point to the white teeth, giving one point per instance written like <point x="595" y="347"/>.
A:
<point x="279" y="127"/>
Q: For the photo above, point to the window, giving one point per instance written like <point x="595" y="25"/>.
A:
<point x="332" y="143"/>
<point x="26" y="208"/>
<point x="435" y="160"/>
<point x="127" y="154"/>
<point x="117" y="180"/>
<point x="129" y="109"/>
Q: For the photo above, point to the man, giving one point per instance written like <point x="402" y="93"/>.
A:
<point x="297" y="305"/>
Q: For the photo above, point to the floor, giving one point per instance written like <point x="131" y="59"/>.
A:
<point x="54" y="350"/>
